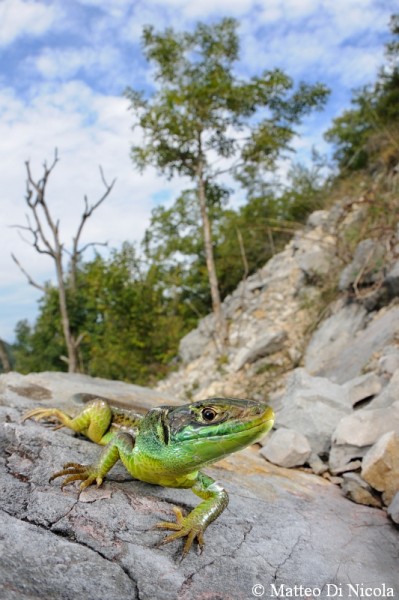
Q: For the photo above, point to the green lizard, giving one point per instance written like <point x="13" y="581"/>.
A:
<point x="166" y="447"/>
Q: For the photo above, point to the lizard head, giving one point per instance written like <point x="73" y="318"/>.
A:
<point x="206" y="431"/>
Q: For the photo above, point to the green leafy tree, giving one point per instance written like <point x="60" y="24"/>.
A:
<point x="369" y="129"/>
<point x="132" y="328"/>
<point x="203" y="121"/>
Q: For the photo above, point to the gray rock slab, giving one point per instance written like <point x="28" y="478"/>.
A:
<point x="49" y="387"/>
<point x="392" y="279"/>
<point x="362" y="387"/>
<point x="284" y="526"/>
<point x="313" y="406"/>
<point x="365" y="426"/>
<point x="357" y="490"/>
<point x="366" y="264"/>
<point x="380" y="467"/>
<point x="389" y="395"/>
<point x="194" y="343"/>
<point x="268" y="343"/>
<point x="351" y="347"/>
<point x="286" y="448"/>
<point x="393" y="509"/>
<point x="345" y="458"/>
<point x="333" y="335"/>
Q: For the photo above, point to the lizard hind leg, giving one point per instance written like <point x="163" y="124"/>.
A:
<point x="93" y="421"/>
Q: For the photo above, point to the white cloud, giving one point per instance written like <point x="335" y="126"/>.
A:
<point x="23" y="17"/>
<point x="58" y="117"/>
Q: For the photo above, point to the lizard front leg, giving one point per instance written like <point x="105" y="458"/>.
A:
<point x="193" y="526"/>
<point x="121" y="444"/>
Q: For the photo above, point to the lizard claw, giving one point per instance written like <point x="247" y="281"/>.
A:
<point x="75" y="472"/>
<point x="184" y="526"/>
<point x="52" y="415"/>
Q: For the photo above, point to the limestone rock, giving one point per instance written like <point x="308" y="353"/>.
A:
<point x="389" y="361"/>
<point x="357" y="490"/>
<point x="55" y="544"/>
<point x="342" y="347"/>
<point x="389" y="395"/>
<point x="194" y="343"/>
<point x="364" y="427"/>
<point x="393" y="509"/>
<point x="362" y="387"/>
<point x="286" y="448"/>
<point x="317" y="465"/>
<point x="285" y="526"/>
<point x="380" y="466"/>
<point x="392" y="279"/>
<point x="345" y="458"/>
<point x="366" y="264"/>
<point x="313" y="406"/>
<point x="269" y="343"/>
<point x="332" y="337"/>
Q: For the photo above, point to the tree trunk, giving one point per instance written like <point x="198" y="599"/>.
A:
<point x="4" y="360"/>
<point x="221" y="325"/>
<point x="69" y="340"/>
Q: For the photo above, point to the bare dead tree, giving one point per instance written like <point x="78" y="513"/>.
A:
<point x="45" y="239"/>
<point x="4" y="359"/>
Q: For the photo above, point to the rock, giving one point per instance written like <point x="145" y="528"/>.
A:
<point x="380" y="466"/>
<point x="315" y="251"/>
<point x="357" y="490"/>
<point x="194" y="343"/>
<point x="317" y="218"/>
<point x="286" y="448"/>
<point x="363" y="387"/>
<point x="364" y="427"/>
<point x="284" y="525"/>
<point x="345" y="458"/>
<point x="365" y="266"/>
<point x="392" y="279"/>
<point x="389" y="361"/>
<point x="313" y="406"/>
<point x="332" y="337"/>
<point x="317" y="465"/>
<point x="393" y="509"/>
<point x="389" y="394"/>
<point x="342" y="354"/>
<point x="269" y="343"/>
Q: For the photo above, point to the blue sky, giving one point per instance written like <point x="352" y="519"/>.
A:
<point x="64" y="66"/>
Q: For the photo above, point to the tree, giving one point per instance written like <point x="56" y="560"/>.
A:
<point x="45" y="239"/>
<point x="132" y="328"/>
<point x="5" y="362"/>
<point x="369" y="129"/>
<point x="201" y="116"/>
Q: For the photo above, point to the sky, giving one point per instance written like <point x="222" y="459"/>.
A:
<point x="64" y="66"/>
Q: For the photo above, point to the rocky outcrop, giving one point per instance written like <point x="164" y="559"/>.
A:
<point x="286" y="448"/>
<point x="380" y="466"/>
<point x="285" y="526"/>
<point x="344" y="396"/>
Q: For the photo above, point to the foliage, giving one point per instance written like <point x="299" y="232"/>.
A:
<point x="244" y="239"/>
<point x="131" y="330"/>
<point x="202" y="121"/>
<point x="364" y="134"/>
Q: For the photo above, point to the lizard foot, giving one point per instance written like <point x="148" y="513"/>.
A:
<point x="52" y="415"/>
<point x="74" y="472"/>
<point x="184" y="526"/>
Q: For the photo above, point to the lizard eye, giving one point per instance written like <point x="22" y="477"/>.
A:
<point x="208" y="414"/>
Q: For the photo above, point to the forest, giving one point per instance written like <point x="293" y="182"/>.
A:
<point x="121" y="314"/>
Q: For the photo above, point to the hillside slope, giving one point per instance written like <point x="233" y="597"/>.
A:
<point x="317" y="331"/>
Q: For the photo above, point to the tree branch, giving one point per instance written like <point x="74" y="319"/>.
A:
<point x="29" y="278"/>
